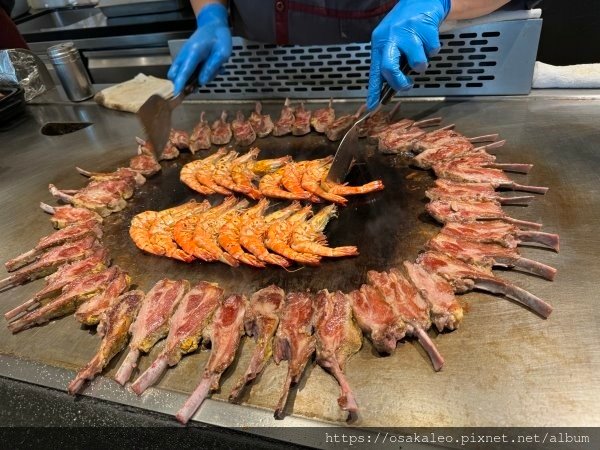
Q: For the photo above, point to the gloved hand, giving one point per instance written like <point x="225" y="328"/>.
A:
<point x="410" y="29"/>
<point x="210" y="45"/>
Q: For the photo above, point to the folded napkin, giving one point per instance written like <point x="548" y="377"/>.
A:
<point x="577" y="76"/>
<point x="130" y="95"/>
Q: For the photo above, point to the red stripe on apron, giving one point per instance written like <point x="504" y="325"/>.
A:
<point x="281" y="22"/>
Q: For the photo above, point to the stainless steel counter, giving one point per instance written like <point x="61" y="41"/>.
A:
<point x="504" y="367"/>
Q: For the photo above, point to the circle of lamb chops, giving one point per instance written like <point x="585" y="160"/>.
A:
<point x="476" y="236"/>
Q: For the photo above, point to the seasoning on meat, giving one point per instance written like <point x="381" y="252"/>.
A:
<point x="152" y="322"/>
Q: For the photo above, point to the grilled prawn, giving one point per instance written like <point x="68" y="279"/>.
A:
<point x="279" y="235"/>
<point x="252" y="235"/>
<point x="308" y="237"/>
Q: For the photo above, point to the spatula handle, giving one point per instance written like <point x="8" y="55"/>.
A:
<point x="387" y="92"/>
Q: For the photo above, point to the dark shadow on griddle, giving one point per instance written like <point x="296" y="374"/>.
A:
<point x="373" y="351"/>
<point x="288" y="409"/>
<point x="244" y="395"/>
<point x="534" y="246"/>
<point x="426" y="218"/>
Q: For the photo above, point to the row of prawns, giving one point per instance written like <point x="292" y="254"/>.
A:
<point x="232" y="232"/>
<point x="227" y="172"/>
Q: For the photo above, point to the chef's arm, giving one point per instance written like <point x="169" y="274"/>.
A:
<point x="469" y="9"/>
<point x="411" y="30"/>
<point x="197" y="5"/>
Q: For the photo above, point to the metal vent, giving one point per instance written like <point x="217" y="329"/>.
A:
<point x="494" y="58"/>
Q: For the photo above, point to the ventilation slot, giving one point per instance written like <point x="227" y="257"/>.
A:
<point x="468" y="60"/>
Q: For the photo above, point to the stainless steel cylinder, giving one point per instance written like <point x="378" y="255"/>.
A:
<point x="70" y="71"/>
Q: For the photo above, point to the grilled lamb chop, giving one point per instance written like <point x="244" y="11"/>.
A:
<point x="70" y="233"/>
<point x="73" y="295"/>
<point x="284" y="124"/>
<point x="169" y="152"/>
<point x="200" y="137"/>
<point x="376" y="318"/>
<point x="121" y="173"/>
<point x="187" y="324"/>
<point x="480" y="158"/>
<point x="401" y="126"/>
<point x="104" y="197"/>
<point x="339" y="126"/>
<point x="378" y="121"/>
<point x="488" y="255"/>
<point x="220" y="131"/>
<point x="50" y="261"/>
<point x="463" y="171"/>
<point x="465" y="277"/>
<point x="261" y="123"/>
<point x="500" y="233"/>
<point x="337" y="339"/>
<point x="243" y="132"/>
<point x="152" y="323"/>
<point x="66" y="215"/>
<point x="145" y="162"/>
<point x="90" y="312"/>
<point x="301" y="121"/>
<point x="322" y="118"/>
<point x="225" y="333"/>
<point x="176" y="140"/>
<point x="294" y="341"/>
<point x="114" y="328"/>
<point x="460" y="211"/>
<point x="401" y="136"/>
<point x="448" y="137"/>
<point x="450" y="190"/>
<point x="445" y="310"/>
<point x="67" y="273"/>
<point x="262" y="318"/>
<point x="179" y="138"/>
<point x="428" y="158"/>
<point x="409" y="306"/>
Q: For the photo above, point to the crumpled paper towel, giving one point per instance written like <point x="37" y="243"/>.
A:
<point x="577" y="76"/>
<point x="131" y="95"/>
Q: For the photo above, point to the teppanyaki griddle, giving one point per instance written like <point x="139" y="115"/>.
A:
<point x="504" y="366"/>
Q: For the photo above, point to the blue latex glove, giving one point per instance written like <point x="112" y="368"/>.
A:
<point x="209" y="46"/>
<point x="410" y="29"/>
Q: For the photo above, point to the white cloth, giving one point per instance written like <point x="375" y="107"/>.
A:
<point x="577" y="76"/>
<point x="131" y="95"/>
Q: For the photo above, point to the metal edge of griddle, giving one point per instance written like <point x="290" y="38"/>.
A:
<point x="244" y="418"/>
<point x="212" y="412"/>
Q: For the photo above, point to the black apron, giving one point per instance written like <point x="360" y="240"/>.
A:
<point x="316" y="22"/>
<point x="308" y="22"/>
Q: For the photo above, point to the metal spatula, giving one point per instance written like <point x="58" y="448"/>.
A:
<point x="155" y="115"/>
<point x="349" y="150"/>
